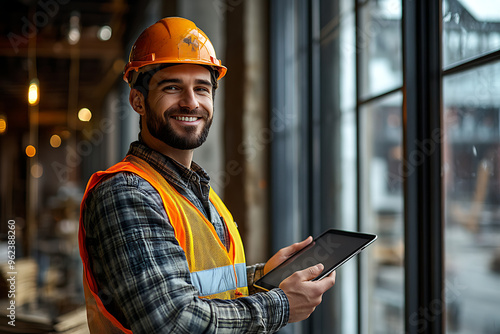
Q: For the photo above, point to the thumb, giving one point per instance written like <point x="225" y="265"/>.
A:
<point x="312" y="272"/>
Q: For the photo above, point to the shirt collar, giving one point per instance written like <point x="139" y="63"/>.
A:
<point x="170" y="169"/>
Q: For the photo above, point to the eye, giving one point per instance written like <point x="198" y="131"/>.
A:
<point x="170" y="88"/>
<point x="203" y="90"/>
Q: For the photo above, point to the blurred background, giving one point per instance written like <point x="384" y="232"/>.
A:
<point x="312" y="131"/>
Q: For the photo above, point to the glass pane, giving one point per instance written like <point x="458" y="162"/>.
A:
<point x="339" y="156"/>
<point x="382" y="213"/>
<point x="380" y="44"/>
<point x="470" y="28"/>
<point x="471" y="160"/>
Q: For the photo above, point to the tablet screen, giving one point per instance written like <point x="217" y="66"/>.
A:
<point x="332" y="249"/>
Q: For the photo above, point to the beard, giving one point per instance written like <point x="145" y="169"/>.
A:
<point x="159" y="126"/>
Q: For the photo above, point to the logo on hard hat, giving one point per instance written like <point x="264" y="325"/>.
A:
<point x="192" y="42"/>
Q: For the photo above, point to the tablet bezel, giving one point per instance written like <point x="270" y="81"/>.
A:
<point x="369" y="238"/>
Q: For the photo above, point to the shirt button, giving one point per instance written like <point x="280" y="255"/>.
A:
<point x="194" y="178"/>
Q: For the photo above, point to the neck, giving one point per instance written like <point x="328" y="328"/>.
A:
<point x="184" y="157"/>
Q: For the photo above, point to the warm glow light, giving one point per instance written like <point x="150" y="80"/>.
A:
<point x="37" y="170"/>
<point x="84" y="115"/>
<point x="30" y="151"/>
<point x="118" y="65"/>
<point x="55" y="141"/>
<point x="3" y="124"/>
<point x="73" y="36"/>
<point x="74" y="28"/>
<point x="104" y="33"/>
<point x="33" y="92"/>
<point x="65" y="134"/>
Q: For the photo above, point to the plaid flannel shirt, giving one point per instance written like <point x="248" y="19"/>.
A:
<point x="141" y="270"/>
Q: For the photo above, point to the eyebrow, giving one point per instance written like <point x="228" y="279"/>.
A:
<point x="179" y="81"/>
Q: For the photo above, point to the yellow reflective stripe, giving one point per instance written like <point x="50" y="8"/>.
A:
<point x="217" y="280"/>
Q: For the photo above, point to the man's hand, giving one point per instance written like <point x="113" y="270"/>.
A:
<point x="304" y="295"/>
<point x="285" y="253"/>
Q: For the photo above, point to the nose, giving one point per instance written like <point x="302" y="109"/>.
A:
<point x="189" y="100"/>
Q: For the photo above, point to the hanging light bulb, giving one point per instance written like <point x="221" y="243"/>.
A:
<point x="33" y="92"/>
<point x="84" y="115"/>
<point x="104" y="33"/>
<point x="30" y="151"/>
<point x="3" y="124"/>
<point x="55" y="141"/>
<point x="74" y="28"/>
<point x="37" y="170"/>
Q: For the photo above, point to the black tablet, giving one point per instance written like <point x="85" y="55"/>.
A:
<point x="332" y="248"/>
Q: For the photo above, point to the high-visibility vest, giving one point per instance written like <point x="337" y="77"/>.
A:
<point x="216" y="272"/>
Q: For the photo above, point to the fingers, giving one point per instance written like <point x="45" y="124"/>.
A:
<point x="303" y="294"/>
<point x="305" y="242"/>
<point x="314" y="271"/>
<point x="284" y="253"/>
<point x="327" y="282"/>
<point x="311" y="272"/>
<point x="297" y="246"/>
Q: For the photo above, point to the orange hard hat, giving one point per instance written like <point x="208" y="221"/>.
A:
<point x="172" y="40"/>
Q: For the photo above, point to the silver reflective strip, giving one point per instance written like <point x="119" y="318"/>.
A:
<point x="217" y="280"/>
<point x="241" y="273"/>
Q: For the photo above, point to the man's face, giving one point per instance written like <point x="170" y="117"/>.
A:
<point x="179" y="107"/>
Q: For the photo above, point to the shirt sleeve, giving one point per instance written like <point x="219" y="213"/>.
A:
<point x="146" y="274"/>
<point x="254" y="272"/>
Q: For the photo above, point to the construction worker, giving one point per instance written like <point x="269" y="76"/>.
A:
<point x="161" y="252"/>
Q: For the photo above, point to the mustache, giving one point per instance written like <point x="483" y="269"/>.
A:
<point x="199" y="112"/>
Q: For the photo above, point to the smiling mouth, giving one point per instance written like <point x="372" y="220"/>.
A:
<point x="186" y="118"/>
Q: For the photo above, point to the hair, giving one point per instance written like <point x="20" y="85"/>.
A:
<point x="143" y="79"/>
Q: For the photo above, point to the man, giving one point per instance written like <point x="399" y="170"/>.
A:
<point x="161" y="252"/>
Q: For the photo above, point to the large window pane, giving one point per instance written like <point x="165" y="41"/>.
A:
<point x="471" y="161"/>
<point x="380" y="46"/>
<point x="382" y="275"/>
<point x="470" y="28"/>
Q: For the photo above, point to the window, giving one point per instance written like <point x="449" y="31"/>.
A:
<point x="382" y="272"/>
<point x="471" y="165"/>
<point x="405" y="143"/>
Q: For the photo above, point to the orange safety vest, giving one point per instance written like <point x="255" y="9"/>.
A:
<point x="215" y="271"/>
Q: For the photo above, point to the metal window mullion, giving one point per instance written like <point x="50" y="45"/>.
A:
<point x="315" y="117"/>
<point x="472" y="63"/>
<point x="379" y="96"/>
<point x="424" y="303"/>
<point x="357" y="22"/>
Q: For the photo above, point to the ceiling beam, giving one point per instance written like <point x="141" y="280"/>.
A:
<point x="95" y="49"/>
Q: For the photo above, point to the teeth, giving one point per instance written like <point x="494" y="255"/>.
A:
<point x="186" y="119"/>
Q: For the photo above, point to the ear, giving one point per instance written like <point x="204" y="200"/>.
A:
<point x="136" y="100"/>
